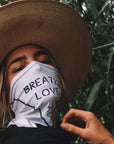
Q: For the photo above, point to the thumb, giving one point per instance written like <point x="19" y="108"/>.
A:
<point x="73" y="129"/>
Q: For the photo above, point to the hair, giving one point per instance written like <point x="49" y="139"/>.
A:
<point x="4" y="95"/>
<point x="4" y="88"/>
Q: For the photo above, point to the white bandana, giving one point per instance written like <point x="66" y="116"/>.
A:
<point x="33" y="95"/>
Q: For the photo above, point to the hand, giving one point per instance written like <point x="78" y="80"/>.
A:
<point x="93" y="132"/>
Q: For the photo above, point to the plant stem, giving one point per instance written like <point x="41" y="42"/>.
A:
<point x="103" y="46"/>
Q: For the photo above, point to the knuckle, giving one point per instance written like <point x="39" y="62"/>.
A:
<point x="71" y="110"/>
<point x="90" y="114"/>
<point x="86" y="134"/>
<point x="72" y="129"/>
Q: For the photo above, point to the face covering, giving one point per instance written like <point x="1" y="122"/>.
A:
<point x="34" y="93"/>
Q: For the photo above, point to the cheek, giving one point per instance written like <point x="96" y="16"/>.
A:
<point x="10" y="78"/>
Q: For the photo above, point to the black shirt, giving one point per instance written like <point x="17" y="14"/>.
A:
<point x="39" y="135"/>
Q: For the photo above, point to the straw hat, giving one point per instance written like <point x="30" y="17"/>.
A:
<point x="54" y="26"/>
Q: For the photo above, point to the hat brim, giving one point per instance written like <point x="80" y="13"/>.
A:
<point x="54" y="26"/>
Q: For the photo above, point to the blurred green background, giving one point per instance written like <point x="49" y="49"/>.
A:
<point x="97" y="93"/>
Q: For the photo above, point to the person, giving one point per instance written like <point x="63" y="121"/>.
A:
<point x="34" y="89"/>
<point x="45" y="55"/>
<point x="93" y="132"/>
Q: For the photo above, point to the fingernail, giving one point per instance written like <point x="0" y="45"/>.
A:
<point x="64" y="126"/>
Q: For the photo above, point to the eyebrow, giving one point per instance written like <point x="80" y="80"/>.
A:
<point x="38" y="53"/>
<point x="21" y="58"/>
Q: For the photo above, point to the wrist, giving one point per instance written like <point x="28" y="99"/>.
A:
<point x="110" y="140"/>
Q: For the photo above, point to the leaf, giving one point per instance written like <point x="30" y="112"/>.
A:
<point x="64" y="1"/>
<point x="109" y="60"/>
<point x="110" y="116"/>
<point x="108" y="70"/>
<point x="92" y="8"/>
<point x="104" y="6"/>
<point x="93" y="95"/>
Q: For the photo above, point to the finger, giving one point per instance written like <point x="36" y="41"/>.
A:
<point x="73" y="129"/>
<point x="78" y="114"/>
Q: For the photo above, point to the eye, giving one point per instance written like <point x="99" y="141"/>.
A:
<point x="19" y="68"/>
<point x="47" y="61"/>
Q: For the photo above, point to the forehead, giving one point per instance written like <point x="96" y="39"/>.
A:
<point x="24" y="50"/>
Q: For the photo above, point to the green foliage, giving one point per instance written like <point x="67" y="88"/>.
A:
<point x="97" y="94"/>
<point x="92" y="96"/>
<point x="3" y="2"/>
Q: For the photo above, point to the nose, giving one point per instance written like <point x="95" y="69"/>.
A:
<point x="31" y="60"/>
